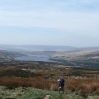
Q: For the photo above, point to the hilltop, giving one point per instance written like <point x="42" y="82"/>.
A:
<point x="8" y="55"/>
<point x="82" y="58"/>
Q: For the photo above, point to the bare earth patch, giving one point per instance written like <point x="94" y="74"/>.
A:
<point x="46" y="97"/>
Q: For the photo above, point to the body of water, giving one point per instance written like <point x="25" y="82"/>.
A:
<point x="44" y="58"/>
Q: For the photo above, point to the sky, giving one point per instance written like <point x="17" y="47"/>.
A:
<point x="50" y="22"/>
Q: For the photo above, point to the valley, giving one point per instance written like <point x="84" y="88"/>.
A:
<point x="79" y="68"/>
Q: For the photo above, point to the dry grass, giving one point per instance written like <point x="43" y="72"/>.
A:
<point x="84" y="86"/>
<point x="35" y="82"/>
<point x="48" y="80"/>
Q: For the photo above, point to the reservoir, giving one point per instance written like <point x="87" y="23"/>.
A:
<point x="44" y="58"/>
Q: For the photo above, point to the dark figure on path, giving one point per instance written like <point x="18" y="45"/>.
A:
<point x="61" y="85"/>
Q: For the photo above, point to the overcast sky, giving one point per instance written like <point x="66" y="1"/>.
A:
<point x="50" y="22"/>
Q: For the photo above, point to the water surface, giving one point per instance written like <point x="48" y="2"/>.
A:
<point x="44" y="58"/>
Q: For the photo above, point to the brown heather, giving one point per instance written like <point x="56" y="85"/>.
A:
<point x="47" y="79"/>
<point x="84" y="86"/>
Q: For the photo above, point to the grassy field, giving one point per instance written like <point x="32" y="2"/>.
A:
<point x="32" y="93"/>
<point x="21" y="93"/>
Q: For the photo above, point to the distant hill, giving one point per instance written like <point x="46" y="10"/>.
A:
<point x="90" y="48"/>
<point x="36" y="48"/>
<point x="18" y="48"/>
<point x="8" y="55"/>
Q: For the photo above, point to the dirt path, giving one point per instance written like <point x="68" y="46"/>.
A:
<point x="46" y="97"/>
